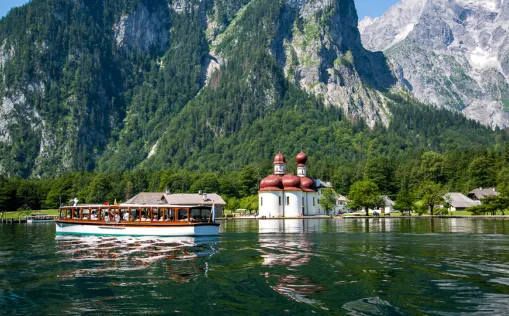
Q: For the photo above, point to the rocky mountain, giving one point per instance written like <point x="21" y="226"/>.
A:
<point x="451" y="53"/>
<point x="115" y="85"/>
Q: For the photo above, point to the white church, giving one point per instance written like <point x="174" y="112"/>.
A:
<point x="286" y="195"/>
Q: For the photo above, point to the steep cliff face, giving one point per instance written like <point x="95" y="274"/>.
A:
<point x="143" y="29"/>
<point x="114" y="85"/>
<point x="449" y="53"/>
<point x="318" y="45"/>
<point x="324" y="55"/>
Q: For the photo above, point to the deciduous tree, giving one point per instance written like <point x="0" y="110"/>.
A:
<point x="364" y="195"/>
<point x="431" y="194"/>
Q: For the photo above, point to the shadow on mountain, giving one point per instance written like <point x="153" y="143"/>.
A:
<point x="374" y="70"/>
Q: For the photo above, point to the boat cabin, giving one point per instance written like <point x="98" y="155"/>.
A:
<point x="137" y="214"/>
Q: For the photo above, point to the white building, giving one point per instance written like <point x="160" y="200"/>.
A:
<point x="459" y="202"/>
<point x="286" y="195"/>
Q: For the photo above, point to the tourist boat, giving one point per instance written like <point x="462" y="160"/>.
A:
<point x="137" y="220"/>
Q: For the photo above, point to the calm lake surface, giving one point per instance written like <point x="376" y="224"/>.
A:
<point x="271" y="267"/>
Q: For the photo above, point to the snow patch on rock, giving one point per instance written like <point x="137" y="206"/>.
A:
<point x="489" y="5"/>
<point x="482" y="59"/>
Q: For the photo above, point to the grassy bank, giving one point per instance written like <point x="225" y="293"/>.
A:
<point x="16" y="215"/>
<point x="456" y="213"/>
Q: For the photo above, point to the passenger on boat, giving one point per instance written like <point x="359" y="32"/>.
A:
<point x="126" y="216"/>
<point x="107" y="219"/>
<point x="143" y="218"/>
<point x="117" y="218"/>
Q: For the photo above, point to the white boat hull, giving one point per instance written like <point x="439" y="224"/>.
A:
<point x="118" y="230"/>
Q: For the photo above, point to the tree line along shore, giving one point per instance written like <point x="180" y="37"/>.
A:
<point x="416" y="183"/>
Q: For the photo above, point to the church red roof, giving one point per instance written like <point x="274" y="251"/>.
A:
<point x="301" y="158"/>
<point x="272" y="183"/>
<point x="307" y="184"/>
<point x="291" y="182"/>
<point x="279" y="159"/>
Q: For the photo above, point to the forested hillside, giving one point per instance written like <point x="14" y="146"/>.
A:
<point x="109" y="91"/>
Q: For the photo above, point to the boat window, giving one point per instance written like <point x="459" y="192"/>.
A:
<point x="156" y="215"/>
<point x="124" y="215"/>
<point x="182" y="215"/>
<point x="145" y="216"/>
<point x="86" y="214"/>
<point x="94" y="215"/>
<point x="135" y="215"/>
<point x="205" y="213"/>
<point x="200" y="214"/>
<point x="169" y="215"/>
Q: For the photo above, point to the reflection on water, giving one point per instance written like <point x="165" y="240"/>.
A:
<point x="270" y="267"/>
<point x="292" y="255"/>
<point x="371" y="306"/>
<point x="368" y="225"/>
<point x="102" y="255"/>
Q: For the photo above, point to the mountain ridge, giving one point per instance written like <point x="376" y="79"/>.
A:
<point x="112" y="86"/>
<point x="449" y="53"/>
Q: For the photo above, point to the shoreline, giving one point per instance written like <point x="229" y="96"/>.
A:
<point x="366" y="217"/>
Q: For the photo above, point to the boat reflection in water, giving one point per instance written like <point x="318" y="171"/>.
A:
<point x="114" y="256"/>
<point x="290" y="249"/>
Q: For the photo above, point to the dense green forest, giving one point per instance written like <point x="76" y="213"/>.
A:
<point x="396" y="167"/>
<point x="88" y="113"/>
<point x="88" y="102"/>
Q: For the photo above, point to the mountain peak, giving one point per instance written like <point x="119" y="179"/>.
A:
<point x="452" y="53"/>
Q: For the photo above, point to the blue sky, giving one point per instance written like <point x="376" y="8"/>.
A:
<point x="6" y="5"/>
<point x="371" y="8"/>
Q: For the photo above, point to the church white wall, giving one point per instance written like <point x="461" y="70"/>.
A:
<point x="298" y="199"/>
<point x="294" y="207"/>
<point x="270" y="206"/>
<point x="311" y="209"/>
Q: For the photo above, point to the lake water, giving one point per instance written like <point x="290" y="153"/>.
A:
<point x="271" y="267"/>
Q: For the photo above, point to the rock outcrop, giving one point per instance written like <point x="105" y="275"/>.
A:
<point x="142" y="28"/>
<point x="450" y="53"/>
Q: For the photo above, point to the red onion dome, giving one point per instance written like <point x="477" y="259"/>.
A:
<point x="307" y="184"/>
<point x="272" y="183"/>
<point x="302" y="158"/>
<point x="279" y="159"/>
<point x="291" y="182"/>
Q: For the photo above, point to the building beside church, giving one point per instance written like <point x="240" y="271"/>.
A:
<point x="286" y="195"/>
<point x="167" y="200"/>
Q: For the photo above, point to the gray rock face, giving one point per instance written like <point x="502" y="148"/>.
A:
<point x="327" y="58"/>
<point x="143" y="29"/>
<point x="318" y="44"/>
<point x="451" y="53"/>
